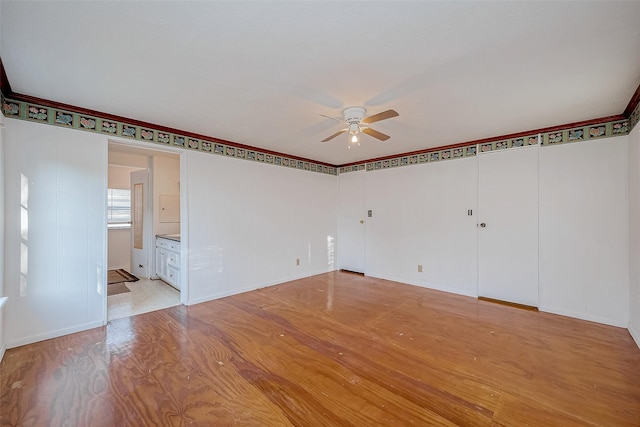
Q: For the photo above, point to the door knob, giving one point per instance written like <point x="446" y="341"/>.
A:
<point x="483" y="225"/>
<point x="362" y="221"/>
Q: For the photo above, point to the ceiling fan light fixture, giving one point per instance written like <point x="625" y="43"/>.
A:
<point x="357" y="122"/>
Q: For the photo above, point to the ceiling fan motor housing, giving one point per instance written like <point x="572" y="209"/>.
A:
<point x="354" y="115"/>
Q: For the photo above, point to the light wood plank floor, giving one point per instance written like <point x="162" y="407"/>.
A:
<point x="331" y="350"/>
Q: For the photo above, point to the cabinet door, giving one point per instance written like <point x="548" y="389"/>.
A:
<point x="173" y="259"/>
<point x="173" y="277"/>
<point x="508" y="225"/>
<point x="161" y="263"/>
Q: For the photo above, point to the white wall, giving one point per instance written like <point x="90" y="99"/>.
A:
<point x="54" y="272"/>
<point x="584" y="230"/>
<point x="2" y="293"/>
<point x="2" y="157"/>
<point x="634" y="233"/>
<point x="120" y="176"/>
<point x="166" y="182"/>
<point x="119" y="249"/>
<point x="420" y="217"/>
<point x="134" y="161"/>
<point x="249" y="222"/>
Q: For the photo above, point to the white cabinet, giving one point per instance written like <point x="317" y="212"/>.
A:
<point x="168" y="261"/>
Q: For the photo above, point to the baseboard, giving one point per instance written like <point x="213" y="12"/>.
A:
<point x="261" y="285"/>
<point x="585" y="316"/>
<point x="53" y="334"/>
<point x="435" y="287"/>
<point x="634" y="334"/>
<point x="3" y="347"/>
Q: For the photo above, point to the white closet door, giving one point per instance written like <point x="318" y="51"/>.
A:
<point x="351" y="222"/>
<point x="508" y="225"/>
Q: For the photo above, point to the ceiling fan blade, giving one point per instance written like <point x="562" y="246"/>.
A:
<point x="332" y="118"/>
<point x="380" y="116"/>
<point x="374" y="133"/>
<point x="334" y="135"/>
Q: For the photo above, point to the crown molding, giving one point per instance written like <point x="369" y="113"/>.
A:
<point x="633" y="103"/>
<point x="5" y="87"/>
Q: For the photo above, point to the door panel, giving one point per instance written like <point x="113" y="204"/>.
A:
<point x="508" y="243"/>
<point x="351" y="222"/>
<point x="140" y="224"/>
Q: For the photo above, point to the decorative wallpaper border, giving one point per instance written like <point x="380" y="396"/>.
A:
<point x="602" y="130"/>
<point x="90" y="123"/>
<point x="634" y="117"/>
<point x="94" y="123"/>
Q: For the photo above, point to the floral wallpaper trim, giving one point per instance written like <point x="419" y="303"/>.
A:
<point x="634" y="117"/>
<point x="57" y="117"/>
<point x="564" y="136"/>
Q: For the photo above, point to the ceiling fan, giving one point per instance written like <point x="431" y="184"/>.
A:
<point x="354" y="118"/>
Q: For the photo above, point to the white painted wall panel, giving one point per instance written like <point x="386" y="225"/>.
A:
<point x="119" y="248"/>
<point x="634" y="234"/>
<point x="2" y="292"/>
<point x="249" y="222"/>
<point x="420" y="217"/>
<point x="584" y="225"/>
<point x="166" y="182"/>
<point x="59" y="288"/>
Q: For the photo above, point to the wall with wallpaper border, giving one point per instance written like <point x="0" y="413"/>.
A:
<point x="605" y="129"/>
<point x="93" y="123"/>
<point x="66" y="118"/>
<point x="634" y="117"/>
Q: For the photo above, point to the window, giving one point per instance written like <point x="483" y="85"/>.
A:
<point x="118" y="208"/>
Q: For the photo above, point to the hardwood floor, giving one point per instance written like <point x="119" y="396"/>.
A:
<point x="331" y="350"/>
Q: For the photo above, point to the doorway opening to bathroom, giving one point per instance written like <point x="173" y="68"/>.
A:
<point x="143" y="230"/>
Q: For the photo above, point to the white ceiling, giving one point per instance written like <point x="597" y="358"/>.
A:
<point x="257" y="73"/>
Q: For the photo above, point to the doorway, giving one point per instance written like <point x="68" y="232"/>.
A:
<point x="141" y="177"/>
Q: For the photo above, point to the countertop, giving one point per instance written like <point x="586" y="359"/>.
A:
<point x="174" y="237"/>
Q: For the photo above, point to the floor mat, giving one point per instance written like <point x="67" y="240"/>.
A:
<point x="119" y="276"/>
<point x="117" y="288"/>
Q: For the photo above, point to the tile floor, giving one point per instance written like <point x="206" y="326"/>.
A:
<point x="146" y="295"/>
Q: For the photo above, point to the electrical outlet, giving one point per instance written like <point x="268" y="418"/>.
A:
<point x="419" y="268"/>
<point x="297" y="261"/>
